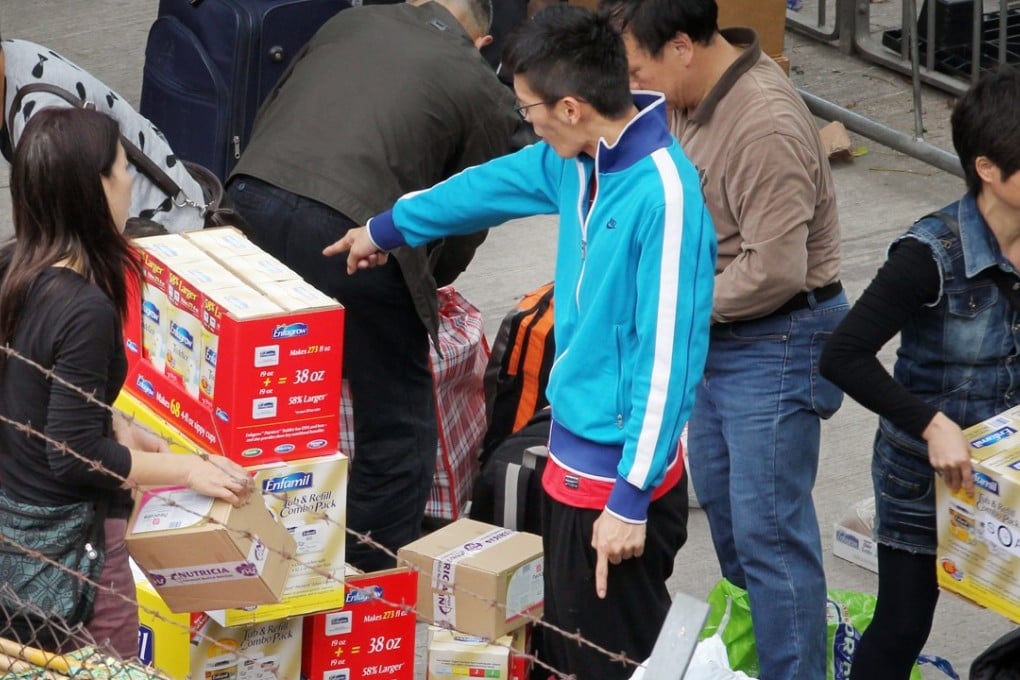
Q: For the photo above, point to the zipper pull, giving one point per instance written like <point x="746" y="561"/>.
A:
<point x="91" y="552"/>
<point x="237" y="147"/>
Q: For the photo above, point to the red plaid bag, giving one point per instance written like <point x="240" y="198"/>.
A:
<point x="460" y="404"/>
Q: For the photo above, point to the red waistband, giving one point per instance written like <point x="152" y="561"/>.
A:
<point x="578" y="491"/>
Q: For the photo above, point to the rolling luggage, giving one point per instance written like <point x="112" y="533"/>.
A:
<point x="209" y="64"/>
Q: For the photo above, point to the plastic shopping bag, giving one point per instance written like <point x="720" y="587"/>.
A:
<point x="848" y="614"/>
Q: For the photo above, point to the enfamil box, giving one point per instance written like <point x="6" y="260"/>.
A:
<point x="979" y="536"/>
<point x="308" y="497"/>
<point x="193" y="647"/>
<point x="372" y="636"/>
<point x="230" y="368"/>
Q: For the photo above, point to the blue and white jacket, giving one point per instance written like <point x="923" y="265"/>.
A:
<point x="634" y="276"/>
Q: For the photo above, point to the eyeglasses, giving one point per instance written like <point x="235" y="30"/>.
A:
<point x="522" y="109"/>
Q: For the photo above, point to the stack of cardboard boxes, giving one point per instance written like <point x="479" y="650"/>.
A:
<point x="232" y="354"/>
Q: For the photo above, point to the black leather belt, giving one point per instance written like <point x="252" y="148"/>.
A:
<point x="803" y="300"/>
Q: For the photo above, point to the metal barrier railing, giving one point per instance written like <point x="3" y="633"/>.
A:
<point x="826" y="25"/>
<point x="921" y="48"/>
<point x="951" y="68"/>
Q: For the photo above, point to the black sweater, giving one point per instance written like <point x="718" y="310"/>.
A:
<point x="70" y="326"/>
<point x="907" y="281"/>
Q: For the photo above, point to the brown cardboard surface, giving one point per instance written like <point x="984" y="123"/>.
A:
<point x="766" y="17"/>
<point x="784" y="62"/>
<point x="212" y="563"/>
<point x="467" y="566"/>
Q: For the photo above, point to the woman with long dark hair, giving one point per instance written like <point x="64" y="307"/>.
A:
<point x="63" y="298"/>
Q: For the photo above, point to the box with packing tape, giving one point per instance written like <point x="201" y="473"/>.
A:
<point x="235" y="352"/>
<point x="979" y="536"/>
<point x="195" y="647"/>
<point x="455" y="655"/>
<point x="202" y="553"/>
<point x="477" y="578"/>
<point x="309" y="498"/>
<point x="371" y="636"/>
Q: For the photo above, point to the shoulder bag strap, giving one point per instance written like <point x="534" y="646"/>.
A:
<point x="137" y="157"/>
<point x="1008" y="285"/>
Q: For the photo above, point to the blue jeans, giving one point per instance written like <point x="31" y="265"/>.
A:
<point x="386" y="363"/>
<point x="753" y="446"/>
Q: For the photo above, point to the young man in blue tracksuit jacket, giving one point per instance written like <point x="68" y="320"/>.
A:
<point x="634" y="274"/>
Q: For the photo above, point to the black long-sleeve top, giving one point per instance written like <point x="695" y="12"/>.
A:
<point x="907" y="281"/>
<point x="70" y="326"/>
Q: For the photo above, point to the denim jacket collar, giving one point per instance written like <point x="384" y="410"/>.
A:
<point x="980" y="249"/>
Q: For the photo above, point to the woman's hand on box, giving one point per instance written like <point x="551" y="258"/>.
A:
<point x="949" y="453"/>
<point x="219" y="477"/>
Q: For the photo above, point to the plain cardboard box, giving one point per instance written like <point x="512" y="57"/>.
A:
<point x="202" y="553"/>
<point x="477" y="578"/>
<point x="371" y="636"/>
<point x="766" y="17"/>
<point x="978" y="553"/>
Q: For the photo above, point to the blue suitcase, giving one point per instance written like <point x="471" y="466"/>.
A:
<point x="209" y="64"/>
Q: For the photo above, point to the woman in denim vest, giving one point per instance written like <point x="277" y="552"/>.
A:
<point x="943" y="288"/>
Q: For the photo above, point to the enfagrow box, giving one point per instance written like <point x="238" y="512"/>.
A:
<point x="237" y="354"/>
<point x="203" y="553"/>
<point x="372" y="636"/>
<point x="478" y="578"/>
<point x="979" y="536"/>
<point x="309" y="499"/>
<point x="193" y="647"/>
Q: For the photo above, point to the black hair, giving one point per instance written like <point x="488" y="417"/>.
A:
<point x="653" y="23"/>
<point x="60" y="209"/>
<point x="568" y="50"/>
<point x="985" y="123"/>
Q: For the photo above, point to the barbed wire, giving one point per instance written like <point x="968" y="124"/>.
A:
<point x="365" y="538"/>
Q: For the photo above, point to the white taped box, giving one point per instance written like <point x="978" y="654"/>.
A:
<point x="200" y="553"/>
<point x="223" y="243"/>
<point x="852" y="536"/>
<point x="477" y="578"/>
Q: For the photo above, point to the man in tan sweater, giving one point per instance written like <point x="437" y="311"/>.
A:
<point x="754" y="432"/>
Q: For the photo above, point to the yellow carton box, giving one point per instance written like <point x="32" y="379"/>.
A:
<point x="979" y="536"/>
<point x="193" y="647"/>
<point x="309" y="498"/>
<point x="141" y="414"/>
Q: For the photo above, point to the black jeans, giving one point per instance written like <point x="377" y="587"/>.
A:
<point x="628" y="620"/>
<point x="386" y="362"/>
